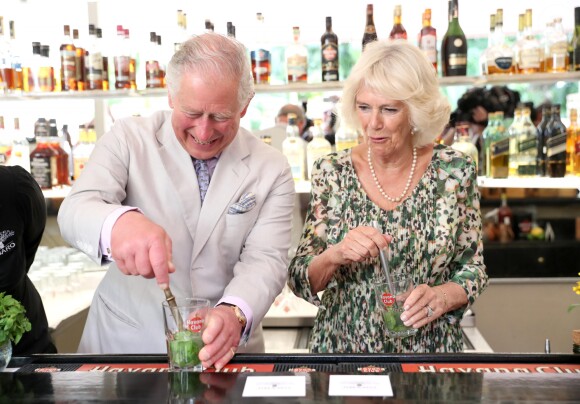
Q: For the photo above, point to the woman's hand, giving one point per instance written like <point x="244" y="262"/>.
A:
<point x="424" y="304"/>
<point x="359" y="244"/>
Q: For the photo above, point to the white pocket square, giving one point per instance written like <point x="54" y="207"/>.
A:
<point x="245" y="204"/>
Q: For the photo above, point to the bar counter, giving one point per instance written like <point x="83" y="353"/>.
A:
<point x="466" y="377"/>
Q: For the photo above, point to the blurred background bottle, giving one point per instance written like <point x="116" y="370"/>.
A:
<point x="370" y="33"/>
<point x="294" y="148"/>
<point x="260" y="53"/>
<point x="329" y="53"/>
<point x="555" y="140"/>
<point x="428" y="38"/>
<point x="454" y="45"/>
<point x="398" y="31"/>
<point x="297" y="59"/>
<point x="318" y="146"/>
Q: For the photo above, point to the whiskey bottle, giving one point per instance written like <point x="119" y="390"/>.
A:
<point x="513" y="131"/>
<point x="260" y="54"/>
<point x="132" y="53"/>
<point x="15" y="60"/>
<point x="454" y="45"/>
<point x="68" y="70"/>
<point x="31" y="72"/>
<point x="540" y="131"/>
<point x="572" y="144"/>
<point x="574" y="47"/>
<point x="530" y="52"/>
<point x="398" y="31"/>
<point x="519" y="39"/>
<point x="294" y="148"/>
<point x="329" y="53"/>
<point x="80" y="54"/>
<point x="153" y="73"/>
<point x="486" y="58"/>
<point x="297" y="59"/>
<point x="555" y="138"/>
<point x="43" y="164"/>
<point x="428" y="38"/>
<point x="62" y="170"/>
<point x="556" y="50"/>
<point x="122" y="61"/>
<point x="500" y="59"/>
<point x="5" y="67"/>
<point x="47" y="77"/>
<point x="499" y="146"/>
<point x="93" y="62"/>
<point x="370" y="34"/>
<point x="106" y="81"/>
<point x="526" y="146"/>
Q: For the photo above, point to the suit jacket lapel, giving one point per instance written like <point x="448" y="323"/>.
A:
<point x="226" y="180"/>
<point x="177" y="162"/>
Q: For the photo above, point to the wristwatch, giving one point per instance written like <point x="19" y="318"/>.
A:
<point x="238" y="313"/>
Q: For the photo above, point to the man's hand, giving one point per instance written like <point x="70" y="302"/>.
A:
<point x="141" y="247"/>
<point x="221" y="337"/>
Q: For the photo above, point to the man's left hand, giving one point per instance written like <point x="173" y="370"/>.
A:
<point x="221" y="337"/>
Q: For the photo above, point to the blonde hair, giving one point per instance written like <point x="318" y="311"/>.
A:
<point x="399" y="71"/>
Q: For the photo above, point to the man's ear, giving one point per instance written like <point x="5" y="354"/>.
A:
<point x="170" y="100"/>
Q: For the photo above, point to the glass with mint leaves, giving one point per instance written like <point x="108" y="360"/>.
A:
<point x="183" y="332"/>
<point x="391" y="295"/>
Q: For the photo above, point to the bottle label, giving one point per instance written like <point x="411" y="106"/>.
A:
<point x="122" y="71"/>
<point x="69" y="64"/>
<point x="329" y="62"/>
<point x="556" y="144"/>
<point x="329" y="52"/>
<point x="4" y="154"/>
<point x="297" y="66"/>
<point x="43" y="169"/>
<point x="504" y="62"/>
<point x="528" y="145"/>
<point x="500" y="148"/>
<point x="260" y="55"/>
<point x="457" y="60"/>
<point x="530" y="58"/>
<point x="428" y="44"/>
<point x="94" y="64"/>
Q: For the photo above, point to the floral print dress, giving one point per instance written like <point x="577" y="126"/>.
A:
<point x="436" y="238"/>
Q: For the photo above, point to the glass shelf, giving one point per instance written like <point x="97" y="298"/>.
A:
<point x="306" y="87"/>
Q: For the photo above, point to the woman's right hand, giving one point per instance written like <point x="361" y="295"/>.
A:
<point x="359" y="244"/>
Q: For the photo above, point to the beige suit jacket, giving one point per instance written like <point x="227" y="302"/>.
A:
<point x="140" y="163"/>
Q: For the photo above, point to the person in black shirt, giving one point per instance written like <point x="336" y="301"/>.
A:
<point x="22" y="222"/>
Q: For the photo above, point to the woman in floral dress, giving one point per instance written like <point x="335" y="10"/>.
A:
<point x="424" y="198"/>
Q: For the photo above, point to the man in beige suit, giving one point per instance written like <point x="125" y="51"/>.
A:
<point x="141" y="203"/>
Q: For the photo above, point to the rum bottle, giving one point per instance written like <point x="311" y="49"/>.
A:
<point x="370" y="34"/>
<point x="398" y="31"/>
<point x="428" y="38"/>
<point x="260" y="55"/>
<point x="454" y="45"/>
<point x="68" y="63"/>
<point x="555" y="138"/>
<point x="297" y="59"/>
<point x="329" y="53"/>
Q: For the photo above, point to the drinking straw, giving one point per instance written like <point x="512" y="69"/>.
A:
<point x="384" y="258"/>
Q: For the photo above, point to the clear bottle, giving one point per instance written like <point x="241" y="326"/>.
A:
<point x="80" y="54"/>
<point x="530" y="53"/>
<point x="153" y="75"/>
<point x="454" y="45"/>
<point x="428" y="38"/>
<point x="488" y="134"/>
<point x="122" y="61"/>
<point x="500" y="59"/>
<point x="513" y="131"/>
<point x="294" y="148"/>
<point x="47" y="76"/>
<point x="260" y="55"/>
<point x="297" y="59"/>
<point x="93" y="62"/>
<point x="20" y="155"/>
<point x="572" y="144"/>
<point x="519" y="39"/>
<point x="329" y="53"/>
<point x="574" y="46"/>
<point x="462" y="141"/>
<point x="527" y="146"/>
<point x="318" y="146"/>
<point x="68" y="69"/>
<point x="486" y="58"/>
<point x="62" y="169"/>
<point x="5" y="68"/>
<point x="370" y="33"/>
<point x="15" y="59"/>
<point x="555" y="139"/>
<point x="345" y="138"/>
<point x="132" y="52"/>
<point x="499" y="147"/>
<point x="106" y="79"/>
<point x="556" y="51"/>
<point x="31" y="72"/>
<point x="398" y="31"/>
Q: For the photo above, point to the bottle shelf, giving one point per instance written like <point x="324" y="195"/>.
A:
<point x="538" y="78"/>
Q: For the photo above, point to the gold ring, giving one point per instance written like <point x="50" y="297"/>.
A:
<point x="429" y="311"/>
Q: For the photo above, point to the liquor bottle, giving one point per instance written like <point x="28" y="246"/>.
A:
<point x="68" y="70"/>
<point x="297" y="59"/>
<point x="454" y="45"/>
<point x="260" y="54"/>
<point x="162" y="69"/>
<point x="499" y="147"/>
<point x="122" y="61"/>
<point x="500" y="59"/>
<point x="20" y="155"/>
<point x="46" y="75"/>
<point x="428" y="38"/>
<point x="81" y="152"/>
<point x="294" y="148"/>
<point x="152" y="68"/>
<point x="106" y="80"/>
<point x="574" y="47"/>
<point x="43" y="164"/>
<point x="329" y="53"/>
<point x="527" y="146"/>
<point x="5" y="144"/>
<point x="317" y="147"/>
<point x="31" y="72"/>
<point x="540" y="130"/>
<point x="555" y="139"/>
<point x="486" y="58"/>
<point x="572" y="142"/>
<point x="513" y="131"/>
<point x="15" y="60"/>
<point x="462" y="141"/>
<point x="231" y="29"/>
<point x="370" y="34"/>
<point x="556" y="50"/>
<point x="519" y="39"/>
<point x="93" y="62"/>
<point x="345" y="138"/>
<point x="530" y="52"/>
<point x="80" y="54"/>
<point x="132" y="53"/>
<point x="65" y="142"/>
<point x="398" y="31"/>
<point x="5" y="68"/>
<point x="505" y="220"/>
<point x="62" y="170"/>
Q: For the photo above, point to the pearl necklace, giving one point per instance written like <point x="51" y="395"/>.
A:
<point x="383" y="193"/>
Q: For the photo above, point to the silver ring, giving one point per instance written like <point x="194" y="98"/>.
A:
<point x="429" y="311"/>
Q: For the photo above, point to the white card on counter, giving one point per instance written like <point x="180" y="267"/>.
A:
<point x="360" y="385"/>
<point x="275" y="386"/>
